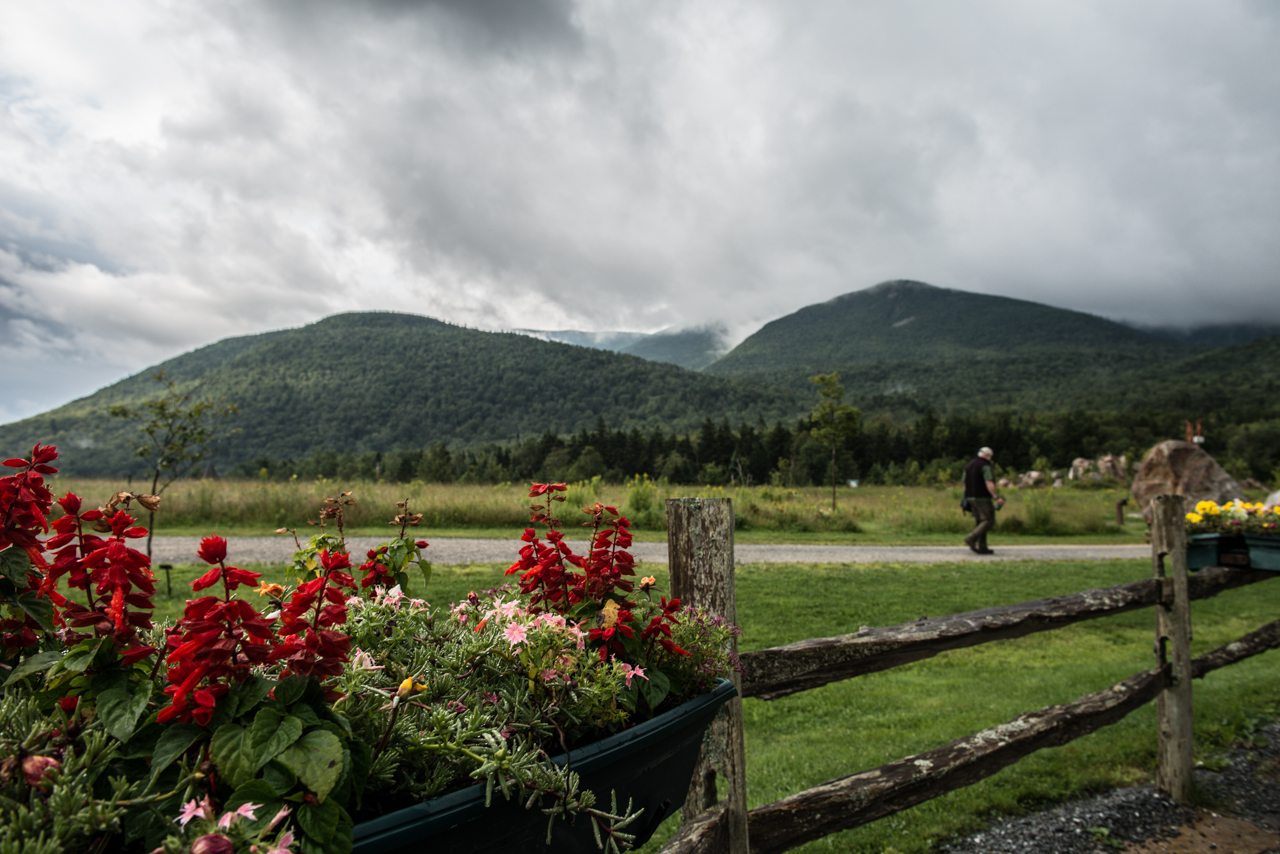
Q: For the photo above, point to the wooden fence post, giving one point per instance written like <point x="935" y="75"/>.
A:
<point x="700" y="558"/>
<point x="1173" y="648"/>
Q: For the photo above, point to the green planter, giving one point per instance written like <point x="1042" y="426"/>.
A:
<point x="1264" y="551"/>
<point x="1202" y="551"/>
<point x="651" y="764"/>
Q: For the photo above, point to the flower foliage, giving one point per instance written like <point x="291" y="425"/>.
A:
<point x="217" y="642"/>
<point x="274" y="721"/>
<point x="594" y="589"/>
<point x="1234" y="517"/>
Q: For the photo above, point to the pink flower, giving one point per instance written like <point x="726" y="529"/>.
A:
<point x="515" y="633"/>
<point x="282" y="844"/>
<point x="628" y="671"/>
<point x="243" y="811"/>
<point x="276" y="819"/>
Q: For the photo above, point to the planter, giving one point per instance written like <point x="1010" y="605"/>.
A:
<point x="651" y="763"/>
<point x="1264" y="551"/>
<point x="1216" y="550"/>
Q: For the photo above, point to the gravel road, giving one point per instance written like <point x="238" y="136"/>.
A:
<point x="443" y="551"/>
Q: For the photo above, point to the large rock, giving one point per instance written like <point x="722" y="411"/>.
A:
<point x="1273" y="499"/>
<point x="1181" y="468"/>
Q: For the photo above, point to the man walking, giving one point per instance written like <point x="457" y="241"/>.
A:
<point x="980" y="490"/>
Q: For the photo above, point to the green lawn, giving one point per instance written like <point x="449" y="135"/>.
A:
<point x="806" y="739"/>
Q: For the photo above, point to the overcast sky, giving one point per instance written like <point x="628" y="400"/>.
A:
<point x="175" y="172"/>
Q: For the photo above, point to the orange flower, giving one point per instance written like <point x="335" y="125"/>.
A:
<point x="275" y="591"/>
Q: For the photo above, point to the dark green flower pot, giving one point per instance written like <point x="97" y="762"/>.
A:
<point x="1264" y="551"/>
<point x="651" y="764"/>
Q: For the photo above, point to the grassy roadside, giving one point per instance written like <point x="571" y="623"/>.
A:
<point x="806" y="739"/>
<point x="874" y="515"/>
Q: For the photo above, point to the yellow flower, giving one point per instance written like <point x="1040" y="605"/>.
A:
<point x="1194" y="517"/>
<point x="408" y="688"/>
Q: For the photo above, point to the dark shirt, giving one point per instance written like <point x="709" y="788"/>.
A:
<point x="976" y="477"/>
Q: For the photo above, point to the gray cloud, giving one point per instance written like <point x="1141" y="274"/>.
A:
<point x="516" y="163"/>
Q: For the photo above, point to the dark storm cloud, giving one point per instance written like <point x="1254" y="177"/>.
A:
<point x="544" y="163"/>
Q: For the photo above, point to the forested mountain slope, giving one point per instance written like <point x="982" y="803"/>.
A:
<point x="381" y="381"/>
<point x="906" y="321"/>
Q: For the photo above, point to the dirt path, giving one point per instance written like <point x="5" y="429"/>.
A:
<point x="462" y="551"/>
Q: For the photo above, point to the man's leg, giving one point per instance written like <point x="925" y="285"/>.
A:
<point x="984" y="513"/>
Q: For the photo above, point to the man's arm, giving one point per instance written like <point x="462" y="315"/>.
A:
<point x="991" y="488"/>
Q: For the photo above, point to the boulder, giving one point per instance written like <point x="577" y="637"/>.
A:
<point x="1030" y="478"/>
<point x="1004" y="483"/>
<point x="1273" y="499"/>
<point x="1112" y="467"/>
<point x="1079" y="468"/>
<point x="1181" y="468"/>
<point x="1057" y="483"/>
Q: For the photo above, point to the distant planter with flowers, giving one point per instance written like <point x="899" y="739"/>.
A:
<point x="345" y="713"/>
<point x="1234" y="534"/>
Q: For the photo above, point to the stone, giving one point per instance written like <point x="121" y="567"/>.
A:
<point x="1030" y="478"/>
<point x="1181" y="468"/>
<point x="1251" y="483"/>
<point x="1004" y="483"/>
<point x="1112" y="467"/>
<point x="1057" y="483"/>
<point x="1079" y="468"/>
<point x="1273" y="499"/>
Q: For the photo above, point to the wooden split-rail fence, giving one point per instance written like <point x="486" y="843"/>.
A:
<point x="700" y="547"/>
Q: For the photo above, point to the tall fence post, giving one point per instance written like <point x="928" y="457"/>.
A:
<point x="1173" y="647"/>
<point x="700" y="556"/>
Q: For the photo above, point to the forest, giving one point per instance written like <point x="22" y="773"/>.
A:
<point x="928" y="450"/>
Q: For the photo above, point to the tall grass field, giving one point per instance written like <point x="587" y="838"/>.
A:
<point x="870" y="515"/>
<point x="809" y="738"/>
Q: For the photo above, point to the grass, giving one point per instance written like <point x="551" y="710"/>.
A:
<point x="809" y="738"/>
<point x="875" y="515"/>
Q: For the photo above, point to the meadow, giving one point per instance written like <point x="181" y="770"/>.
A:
<point x="808" y="738"/>
<point x="869" y="515"/>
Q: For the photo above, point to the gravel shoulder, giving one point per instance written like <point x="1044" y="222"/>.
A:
<point x="444" y="552"/>
<point x="1245" y="818"/>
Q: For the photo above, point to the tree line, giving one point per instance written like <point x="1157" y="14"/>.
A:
<point x="930" y="449"/>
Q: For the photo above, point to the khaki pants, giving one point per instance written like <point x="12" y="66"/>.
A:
<point x="984" y="513"/>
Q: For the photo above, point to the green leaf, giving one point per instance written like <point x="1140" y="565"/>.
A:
<point x="231" y="751"/>
<point x="425" y="566"/>
<point x="272" y="732"/>
<point x="288" y="691"/>
<point x="318" y="821"/>
<point x="177" y="739"/>
<point x="361" y="761"/>
<point x="317" y="760"/>
<point x="120" y="709"/>
<point x="38" y="608"/>
<point x="15" y="565"/>
<point x="343" y="838"/>
<point x="245" y="695"/>
<point x="279" y="777"/>
<point x="306" y="714"/>
<point x="655" y="688"/>
<point x="37" y="663"/>
<point x="81" y="655"/>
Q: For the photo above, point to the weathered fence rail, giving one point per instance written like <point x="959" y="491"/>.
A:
<point x="866" y="796"/>
<point x="783" y="670"/>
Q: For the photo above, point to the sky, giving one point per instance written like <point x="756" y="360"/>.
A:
<point x="174" y="172"/>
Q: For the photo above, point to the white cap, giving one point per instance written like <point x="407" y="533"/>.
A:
<point x="986" y="452"/>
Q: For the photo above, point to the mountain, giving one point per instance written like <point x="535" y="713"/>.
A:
<point x="904" y="346"/>
<point x="693" y="348"/>
<point x="905" y="321"/>
<point x="382" y="381"/>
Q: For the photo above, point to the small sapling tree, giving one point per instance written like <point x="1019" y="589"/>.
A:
<point x="836" y="421"/>
<point x="178" y="434"/>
